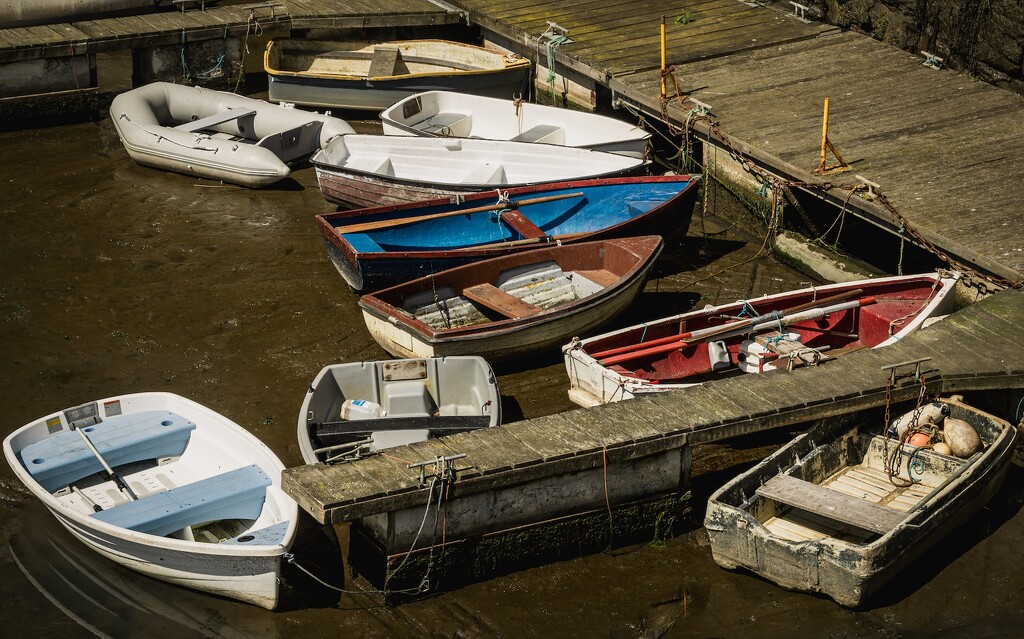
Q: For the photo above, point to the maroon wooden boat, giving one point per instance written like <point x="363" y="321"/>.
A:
<point x="514" y="304"/>
<point x="382" y="246"/>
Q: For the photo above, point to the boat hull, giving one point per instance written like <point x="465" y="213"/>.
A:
<point x="846" y="570"/>
<point x="628" y="260"/>
<point x="440" y="65"/>
<point x="245" y="567"/>
<point x="592" y="383"/>
<point x="367" y="267"/>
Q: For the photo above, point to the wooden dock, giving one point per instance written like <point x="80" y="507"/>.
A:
<point x="944" y="150"/>
<point x="214" y="22"/>
<point x="980" y="348"/>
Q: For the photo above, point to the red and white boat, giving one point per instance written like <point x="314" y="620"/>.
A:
<point x="778" y="331"/>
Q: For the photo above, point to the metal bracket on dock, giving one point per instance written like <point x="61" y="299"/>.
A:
<point x="916" y="363"/>
<point x="263" y="5"/>
<point x="800" y="11"/>
<point x="871" y="186"/>
<point x="562" y="34"/>
<point x="444" y="468"/>
<point x="932" y="61"/>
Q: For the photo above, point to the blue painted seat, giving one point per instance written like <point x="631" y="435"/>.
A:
<point x="236" y="494"/>
<point x="64" y="457"/>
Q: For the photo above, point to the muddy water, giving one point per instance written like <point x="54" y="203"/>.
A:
<point x="115" y="278"/>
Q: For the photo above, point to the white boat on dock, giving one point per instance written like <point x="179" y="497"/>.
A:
<point x="457" y="115"/>
<point x="166" y="487"/>
<point x="218" y="135"/>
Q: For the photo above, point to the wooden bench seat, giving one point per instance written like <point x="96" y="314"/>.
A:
<point x="65" y="458"/>
<point x="235" y="494"/>
<point x="497" y="300"/>
<point x="601" y="277"/>
<point x="831" y="504"/>
<point x="215" y="119"/>
<point x="521" y="224"/>
<point x="384" y="61"/>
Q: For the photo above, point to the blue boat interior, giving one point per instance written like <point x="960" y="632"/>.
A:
<point x="65" y="457"/>
<point x="600" y="207"/>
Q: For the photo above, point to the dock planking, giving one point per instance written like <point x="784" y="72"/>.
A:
<point x="587" y="438"/>
<point x="941" y="146"/>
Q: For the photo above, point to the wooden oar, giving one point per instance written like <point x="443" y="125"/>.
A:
<point x="724" y="328"/>
<point x="547" y="239"/>
<point x="762" y="325"/>
<point x="381" y="224"/>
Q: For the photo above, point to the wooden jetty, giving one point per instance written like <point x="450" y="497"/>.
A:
<point x="538" y="471"/>
<point x="61" y="56"/>
<point x="937" y="151"/>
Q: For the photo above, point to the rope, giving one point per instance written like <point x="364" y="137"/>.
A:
<point x="553" y="42"/>
<point x="715" y="130"/>
<point x="607" y="499"/>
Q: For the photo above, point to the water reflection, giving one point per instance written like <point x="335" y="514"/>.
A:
<point x="112" y="601"/>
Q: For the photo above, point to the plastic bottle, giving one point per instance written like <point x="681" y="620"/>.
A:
<point x="354" y="409"/>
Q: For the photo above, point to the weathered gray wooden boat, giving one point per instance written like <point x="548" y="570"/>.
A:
<point x="843" y="508"/>
<point x="218" y="135"/>
<point x="457" y="115"/>
<point x="357" y="408"/>
<point x="369" y="75"/>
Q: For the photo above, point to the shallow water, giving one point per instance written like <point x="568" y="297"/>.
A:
<point x="117" y="278"/>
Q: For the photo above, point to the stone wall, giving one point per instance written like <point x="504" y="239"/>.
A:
<point x="984" y="38"/>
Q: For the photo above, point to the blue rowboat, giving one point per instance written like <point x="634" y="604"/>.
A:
<point x="378" y="247"/>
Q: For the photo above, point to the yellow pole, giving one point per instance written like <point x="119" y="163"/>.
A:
<point x="824" y="134"/>
<point x="662" y="57"/>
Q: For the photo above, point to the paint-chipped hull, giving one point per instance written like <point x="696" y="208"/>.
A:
<point x="847" y="570"/>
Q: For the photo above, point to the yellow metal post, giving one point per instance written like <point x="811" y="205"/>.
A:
<point x="824" y="136"/>
<point x="663" y="58"/>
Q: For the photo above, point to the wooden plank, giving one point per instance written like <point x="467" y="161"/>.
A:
<point x="384" y="61"/>
<point x="831" y="504"/>
<point x="497" y="300"/>
<point x="601" y="277"/>
<point x="521" y="224"/>
<point x="494" y="449"/>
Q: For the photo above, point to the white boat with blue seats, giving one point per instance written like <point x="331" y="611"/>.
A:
<point x="166" y="487"/>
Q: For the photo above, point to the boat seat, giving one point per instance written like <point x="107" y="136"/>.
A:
<point x="408" y="398"/>
<point x="485" y="174"/>
<point x="215" y="119"/>
<point x="384" y="61"/>
<point x="269" y="536"/>
<point x="64" y="458"/>
<point x="521" y="224"/>
<point x="601" y="277"/>
<point x="236" y="494"/>
<point x="542" y="134"/>
<point x="456" y="125"/>
<point x="831" y="504"/>
<point x="497" y="300"/>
